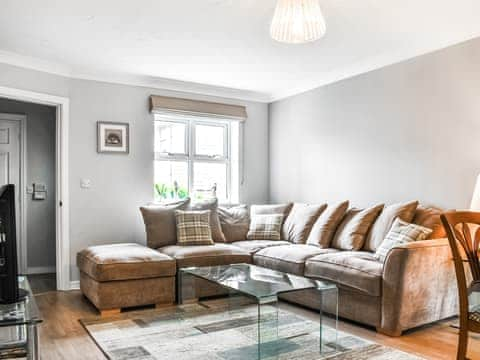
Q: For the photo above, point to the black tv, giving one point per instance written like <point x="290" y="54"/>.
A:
<point x="9" y="290"/>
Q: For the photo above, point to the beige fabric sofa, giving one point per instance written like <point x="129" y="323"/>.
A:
<point x="414" y="286"/>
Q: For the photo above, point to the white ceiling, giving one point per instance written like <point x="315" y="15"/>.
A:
<point x="222" y="47"/>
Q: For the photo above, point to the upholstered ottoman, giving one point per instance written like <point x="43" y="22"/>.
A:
<point x="125" y="275"/>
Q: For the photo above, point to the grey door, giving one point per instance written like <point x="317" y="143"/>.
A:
<point x="10" y="166"/>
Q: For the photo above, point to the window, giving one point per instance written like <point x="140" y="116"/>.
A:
<point x="196" y="157"/>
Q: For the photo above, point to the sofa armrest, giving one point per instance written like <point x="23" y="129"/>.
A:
<point x="419" y="286"/>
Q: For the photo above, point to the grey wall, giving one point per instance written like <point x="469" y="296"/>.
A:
<point x="108" y="212"/>
<point x="40" y="168"/>
<point x="407" y="131"/>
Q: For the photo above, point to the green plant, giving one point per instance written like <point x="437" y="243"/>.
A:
<point x="166" y="192"/>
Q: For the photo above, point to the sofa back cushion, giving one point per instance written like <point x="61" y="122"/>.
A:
<point x="160" y="223"/>
<point x="235" y="222"/>
<point x="324" y="228"/>
<point x="299" y="222"/>
<point x="216" y="229"/>
<point x="271" y="209"/>
<point x="429" y="216"/>
<point x="193" y="228"/>
<point x="265" y="227"/>
<point x="352" y="231"/>
<point x="381" y="227"/>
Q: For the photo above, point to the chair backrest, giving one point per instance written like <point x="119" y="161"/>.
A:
<point x="463" y="232"/>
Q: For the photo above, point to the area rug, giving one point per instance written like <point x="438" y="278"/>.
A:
<point x="207" y="332"/>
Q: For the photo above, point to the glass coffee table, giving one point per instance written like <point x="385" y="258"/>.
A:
<point x="18" y="326"/>
<point x="263" y="286"/>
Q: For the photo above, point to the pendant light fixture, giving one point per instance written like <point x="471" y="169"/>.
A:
<point x="297" y="21"/>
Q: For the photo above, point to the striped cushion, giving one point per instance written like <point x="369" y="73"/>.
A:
<point x="400" y="233"/>
<point x="193" y="227"/>
<point x="265" y="227"/>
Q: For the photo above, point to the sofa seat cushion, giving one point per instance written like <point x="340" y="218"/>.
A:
<point x="124" y="262"/>
<point x="206" y="255"/>
<point x="354" y="269"/>
<point x="288" y="258"/>
<point x="253" y="246"/>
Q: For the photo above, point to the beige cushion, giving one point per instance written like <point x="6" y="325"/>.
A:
<point x="429" y="216"/>
<point x="265" y="227"/>
<point x="124" y="262"/>
<point x="288" y="258"/>
<point x="193" y="227"/>
<point x="235" y="222"/>
<point x="160" y="223"/>
<point x="354" y="228"/>
<point x="324" y="228"/>
<point x="212" y="205"/>
<point x="271" y="209"/>
<point x="403" y="211"/>
<point x="253" y="246"/>
<point x="299" y="222"/>
<point x="354" y="269"/>
<point x="401" y="233"/>
<point x="206" y="255"/>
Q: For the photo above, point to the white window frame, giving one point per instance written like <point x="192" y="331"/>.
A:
<point x="190" y="155"/>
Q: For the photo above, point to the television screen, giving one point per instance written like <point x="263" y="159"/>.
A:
<point x="9" y="291"/>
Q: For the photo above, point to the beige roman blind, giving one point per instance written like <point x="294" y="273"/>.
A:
<point x="171" y="105"/>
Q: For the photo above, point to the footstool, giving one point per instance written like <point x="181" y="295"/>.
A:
<point x="118" y="276"/>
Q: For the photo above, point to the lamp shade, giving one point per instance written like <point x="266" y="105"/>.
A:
<point x="297" y="21"/>
<point x="475" y="203"/>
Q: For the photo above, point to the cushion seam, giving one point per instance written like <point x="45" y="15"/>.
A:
<point x="124" y="262"/>
<point x="349" y="267"/>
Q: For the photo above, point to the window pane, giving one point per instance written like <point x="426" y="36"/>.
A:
<point x="171" y="180"/>
<point x="170" y="137"/>
<point x="209" y="140"/>
<point x="206" y="176"/>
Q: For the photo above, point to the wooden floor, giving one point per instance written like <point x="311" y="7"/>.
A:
<point x="63" y="337"/>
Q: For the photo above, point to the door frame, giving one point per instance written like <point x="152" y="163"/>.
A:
<point x="62" y="104"/>
<point x="21" y="245"/>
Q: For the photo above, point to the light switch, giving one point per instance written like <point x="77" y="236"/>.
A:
<point x="85" y="183"/>
<point x="29" y="189"/>
<point x="39" y="195"/>
<point x="39" y="187"/>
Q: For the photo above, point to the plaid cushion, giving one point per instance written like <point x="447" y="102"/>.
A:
<point x="475" y="316"/>
<point x="265" y="227"/>
<point x="193" y="227"/>
<point x="401" y="232"/>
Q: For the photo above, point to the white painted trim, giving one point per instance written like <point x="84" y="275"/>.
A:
<point x="62" y="193"/>
<point x="40" y="270"/>
<point x="22" y="244"/>
<point x="75" y="285"/>
<point x="37" y="64"/>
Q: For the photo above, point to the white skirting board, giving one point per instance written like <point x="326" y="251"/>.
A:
<point x="75" y="285"/>
<point x="41" y="270"/>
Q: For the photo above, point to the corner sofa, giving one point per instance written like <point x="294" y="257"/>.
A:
<point x="415" y="285"/>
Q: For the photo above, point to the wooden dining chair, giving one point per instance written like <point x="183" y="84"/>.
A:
<point x="463" y="231"/>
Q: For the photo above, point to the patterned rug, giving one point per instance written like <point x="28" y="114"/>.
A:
<point x="206" y="331"/>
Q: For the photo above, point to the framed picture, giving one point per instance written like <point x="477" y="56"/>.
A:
<point x="112" y="137"/>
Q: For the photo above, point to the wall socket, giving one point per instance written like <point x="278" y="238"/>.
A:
<point x="85" y="183"/>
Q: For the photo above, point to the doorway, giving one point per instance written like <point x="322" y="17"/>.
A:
<point x="28" y="160"/>
<point x="62" y="106"/>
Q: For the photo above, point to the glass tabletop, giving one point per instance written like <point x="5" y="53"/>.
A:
<point x="24" y="312"/>
<point x="256" y="281"/>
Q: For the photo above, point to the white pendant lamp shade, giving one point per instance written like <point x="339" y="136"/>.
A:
<point x="297" y="21"/>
